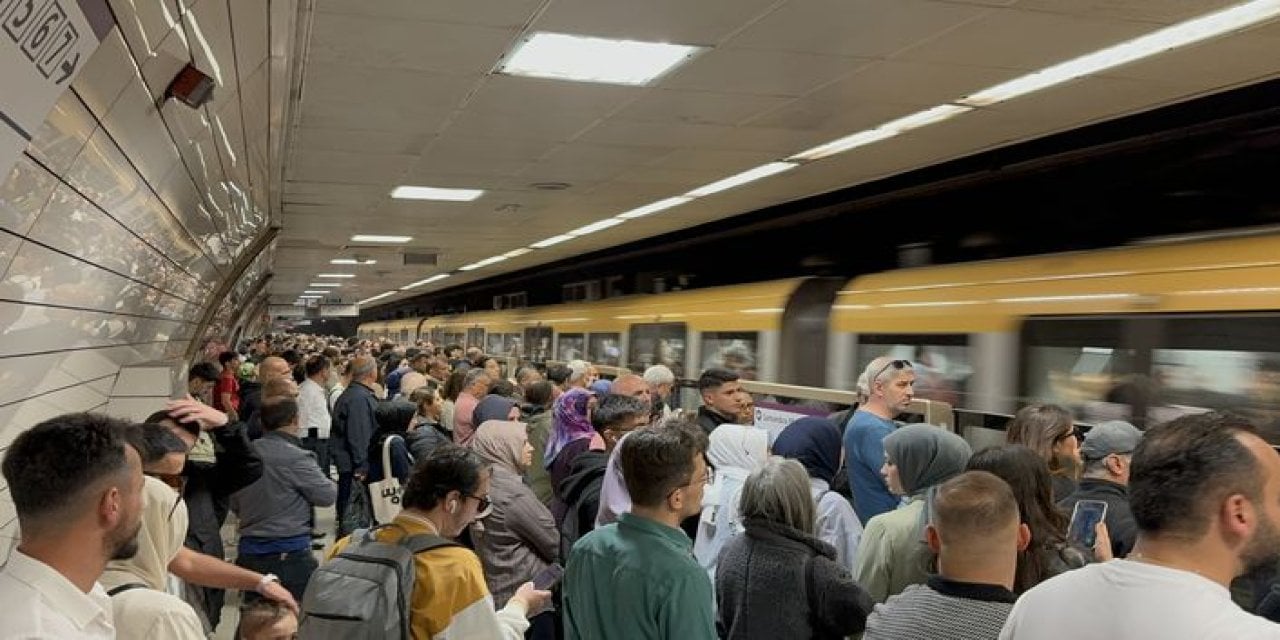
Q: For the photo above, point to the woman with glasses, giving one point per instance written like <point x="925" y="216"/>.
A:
<point x="1050" y="431"/>
<point x="734" y="451"/>
<point x="448" y="491"/>
<point x="519" y="536"/>
<point x="778" y="580"/>
<point x="815" y="443"/>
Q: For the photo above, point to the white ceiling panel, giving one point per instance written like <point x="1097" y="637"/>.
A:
<point x="1026" y="39"/>
<point x="865" y="28"/>
<point x="362" y="85"/>
<point x="506" y="13"/>
<point x="407" y="44"/>
<point x="528" y="97"/>
<point x="701" y="135"/>
<point x="582" y="153"/>
<point x="1157" y="11"/>
<point x="704" y="22"/>
<point x="773" y="73"/>
<point x="539" y="126"/>
<point x="374" y="116"/>
<point x="340" y="166"/>
<point x="390" y="142"/>
<point x="1252" y="59"/>
<point x="699" y="107"/>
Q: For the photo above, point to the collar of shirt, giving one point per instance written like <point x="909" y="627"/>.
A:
<point x="668" y="535"/>
<point x="58" y="592"/>
<point x="287" y="437"/>
<point x="1098" y="485"/>
<point x="971" y="590"/>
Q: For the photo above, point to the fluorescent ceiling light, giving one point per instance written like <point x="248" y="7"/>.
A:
<point x="750" y="175"/>
<point x="436" y="278"/>
<point x="654" y="207"/>
<point x="336" y="275"/>
<point x="387" y="239"/>
<point x="377" y="297"/>
<point x="315" y="291"/>
<point x="543" y="244"/>
<point x="309" y="297"/>
<point x="324" y="284"/>
<point x="406" y="192"/>
<point x="597" y="226"/>
<point x="351" y="261"/>
<point x="840" y="145"/>
<point x="924" y="118"/>
<point x="483" y="263"/>
<point x="562" y="56"/>
<point x="1173" y="37"/>
<point x="516" y="253"/>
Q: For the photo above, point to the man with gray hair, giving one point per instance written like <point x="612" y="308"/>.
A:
<point x="661" y="382"/>
<point x="474" y="387"/>
<point x="890" y="388"/>
<point x="353" y="426"/>
<point x="578" y="370"/>
<point x="1107" y="452"/>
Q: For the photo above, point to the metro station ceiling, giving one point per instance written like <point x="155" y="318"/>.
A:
<point x="402" y="92"/>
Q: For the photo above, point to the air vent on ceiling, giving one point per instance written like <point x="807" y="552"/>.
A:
<point x="419" y="258"/>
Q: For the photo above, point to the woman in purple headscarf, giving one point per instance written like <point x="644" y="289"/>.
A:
<point x="571" y="433"/>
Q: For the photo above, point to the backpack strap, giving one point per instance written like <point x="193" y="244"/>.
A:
<point x="426" y="542"/>
<point x="128" y="586"/>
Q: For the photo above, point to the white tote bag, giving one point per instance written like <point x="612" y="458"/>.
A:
<point x="386" y="493"/>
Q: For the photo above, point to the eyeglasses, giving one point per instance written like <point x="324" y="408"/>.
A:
<point x="483" y="504"/>
<point x="896" y="364"/>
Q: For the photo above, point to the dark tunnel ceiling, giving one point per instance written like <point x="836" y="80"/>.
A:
<point x="1204" y="165"/>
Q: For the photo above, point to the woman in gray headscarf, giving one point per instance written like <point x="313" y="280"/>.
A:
<point x="892" y="554"/>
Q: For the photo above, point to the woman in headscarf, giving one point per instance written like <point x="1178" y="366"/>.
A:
<point x="571" y="434"/>
<point x="917" y="458"/>
<point x="496" y="407"/>
<point x="520" y="537"/>
<point x="735" y="451"/>
<point x="393" y="419"/>
<point x="816" y="444"/>
<point x="141" y="607"/>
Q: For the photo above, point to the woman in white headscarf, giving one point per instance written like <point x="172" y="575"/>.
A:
<point x="735" y="451"/>
<point x="141" y="607"/>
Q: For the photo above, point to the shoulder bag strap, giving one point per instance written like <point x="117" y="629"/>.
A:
<point x="426" y="542"/>
<point x="129" y="586"/>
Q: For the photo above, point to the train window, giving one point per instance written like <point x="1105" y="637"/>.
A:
<point x="404" y="336"/>
<point x="658" y="343"/>
<point x="733" y="350"/>
<point x="538" y="340"/>
<point x="475" y="337"/>
<point x="570" y="346"/>
<point x="605" y="348"/>
<point x="942" y="362"/>
<point x="493" y="344"/>
<point x="437" y="336"/>
<point x="454" y="338"/>
<point x="1084" y="364"/>
<point x="512" y="345"/>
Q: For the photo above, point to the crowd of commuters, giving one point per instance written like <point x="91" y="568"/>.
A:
<point x="558" y="504"/>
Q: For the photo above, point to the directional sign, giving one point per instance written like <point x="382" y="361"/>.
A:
<point x="43" y="45"/>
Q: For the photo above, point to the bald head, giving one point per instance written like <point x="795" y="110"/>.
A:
<point x="632" y="385"/>
<point x="272" y="367"/>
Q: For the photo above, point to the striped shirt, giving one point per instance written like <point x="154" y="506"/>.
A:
<point x="942" y="609"/>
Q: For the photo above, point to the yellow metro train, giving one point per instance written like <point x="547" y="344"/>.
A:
<point x="1153" y="330"/>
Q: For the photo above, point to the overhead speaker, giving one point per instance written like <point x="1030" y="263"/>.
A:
<point x="191" y="87"/>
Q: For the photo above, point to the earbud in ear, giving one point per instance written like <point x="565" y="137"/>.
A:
<point x="453" y="506"/>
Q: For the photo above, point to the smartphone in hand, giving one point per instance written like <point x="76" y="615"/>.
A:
<point x="549" y="577"/>
<point x="1084" y="522"/>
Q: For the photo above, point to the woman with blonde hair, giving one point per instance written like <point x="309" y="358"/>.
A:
<point x="1050" y="431"/>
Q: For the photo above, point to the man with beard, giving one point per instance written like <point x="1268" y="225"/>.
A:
<point x="1205" y="494"/>
<point x="77" y="488"/>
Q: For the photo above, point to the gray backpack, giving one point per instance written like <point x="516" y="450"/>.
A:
<point x="365" y="591"/>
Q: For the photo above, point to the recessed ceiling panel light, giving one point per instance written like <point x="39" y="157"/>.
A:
<point x="335" y="275"/>
<point x="352" y="261"/>
<point x="436" y="278"/>
<point x="377" y="297"/>
<point x="315" y="291"/>
<point x="840" y="145"/>
<point x="597" y="226"/>
<point x="562" y="56"/>
<point x="516" y="253"/>
<point x="543" y="244"/>
<point x="750" y="175"/>
<point x="324" y="284"/>
<point x="654" y="207"/>
<point x="310" y="297"/>
<point x="386" y="239"/>
<point x="406" y="192"/>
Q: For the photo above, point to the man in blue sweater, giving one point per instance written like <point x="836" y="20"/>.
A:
<point x="890" y="388"/>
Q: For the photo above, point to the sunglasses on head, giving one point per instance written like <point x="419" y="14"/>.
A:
<point x="896" y="364"/>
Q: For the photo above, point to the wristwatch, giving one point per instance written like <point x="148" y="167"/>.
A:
<point x="266" y="580"/>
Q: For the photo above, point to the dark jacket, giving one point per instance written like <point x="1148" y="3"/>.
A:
<point x="581" y="491"/>
<point x="354" y="423"/>
<point x="709" y="419"/>
<point x="250" y="399"/>
<point x="775" y="582"/>
<point x="1120" y="524"/>
<point x="425" y="439"/>
<point x="401" y="460"/>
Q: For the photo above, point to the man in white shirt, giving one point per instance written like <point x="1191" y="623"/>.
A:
<point x="1205" y="493"/>
<point x="313" y="407"/>
<point x="77" y="488"/>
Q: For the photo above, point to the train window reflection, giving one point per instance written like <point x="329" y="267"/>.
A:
<point x="570" y="346"/>
<point x="1196" y="380"/>
<point x="660" y="343"/>
<point x="538" y="340"/>
<point x="941" y="362"/>
<point x="1096" y="382"/>
<point x="475" y="337"/>
<point x="736" y="351"/>
<point x="605" y="348"/>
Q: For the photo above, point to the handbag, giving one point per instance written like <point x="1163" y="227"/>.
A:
<point x="357" y="514"/>
<point x="386" y="493"/>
